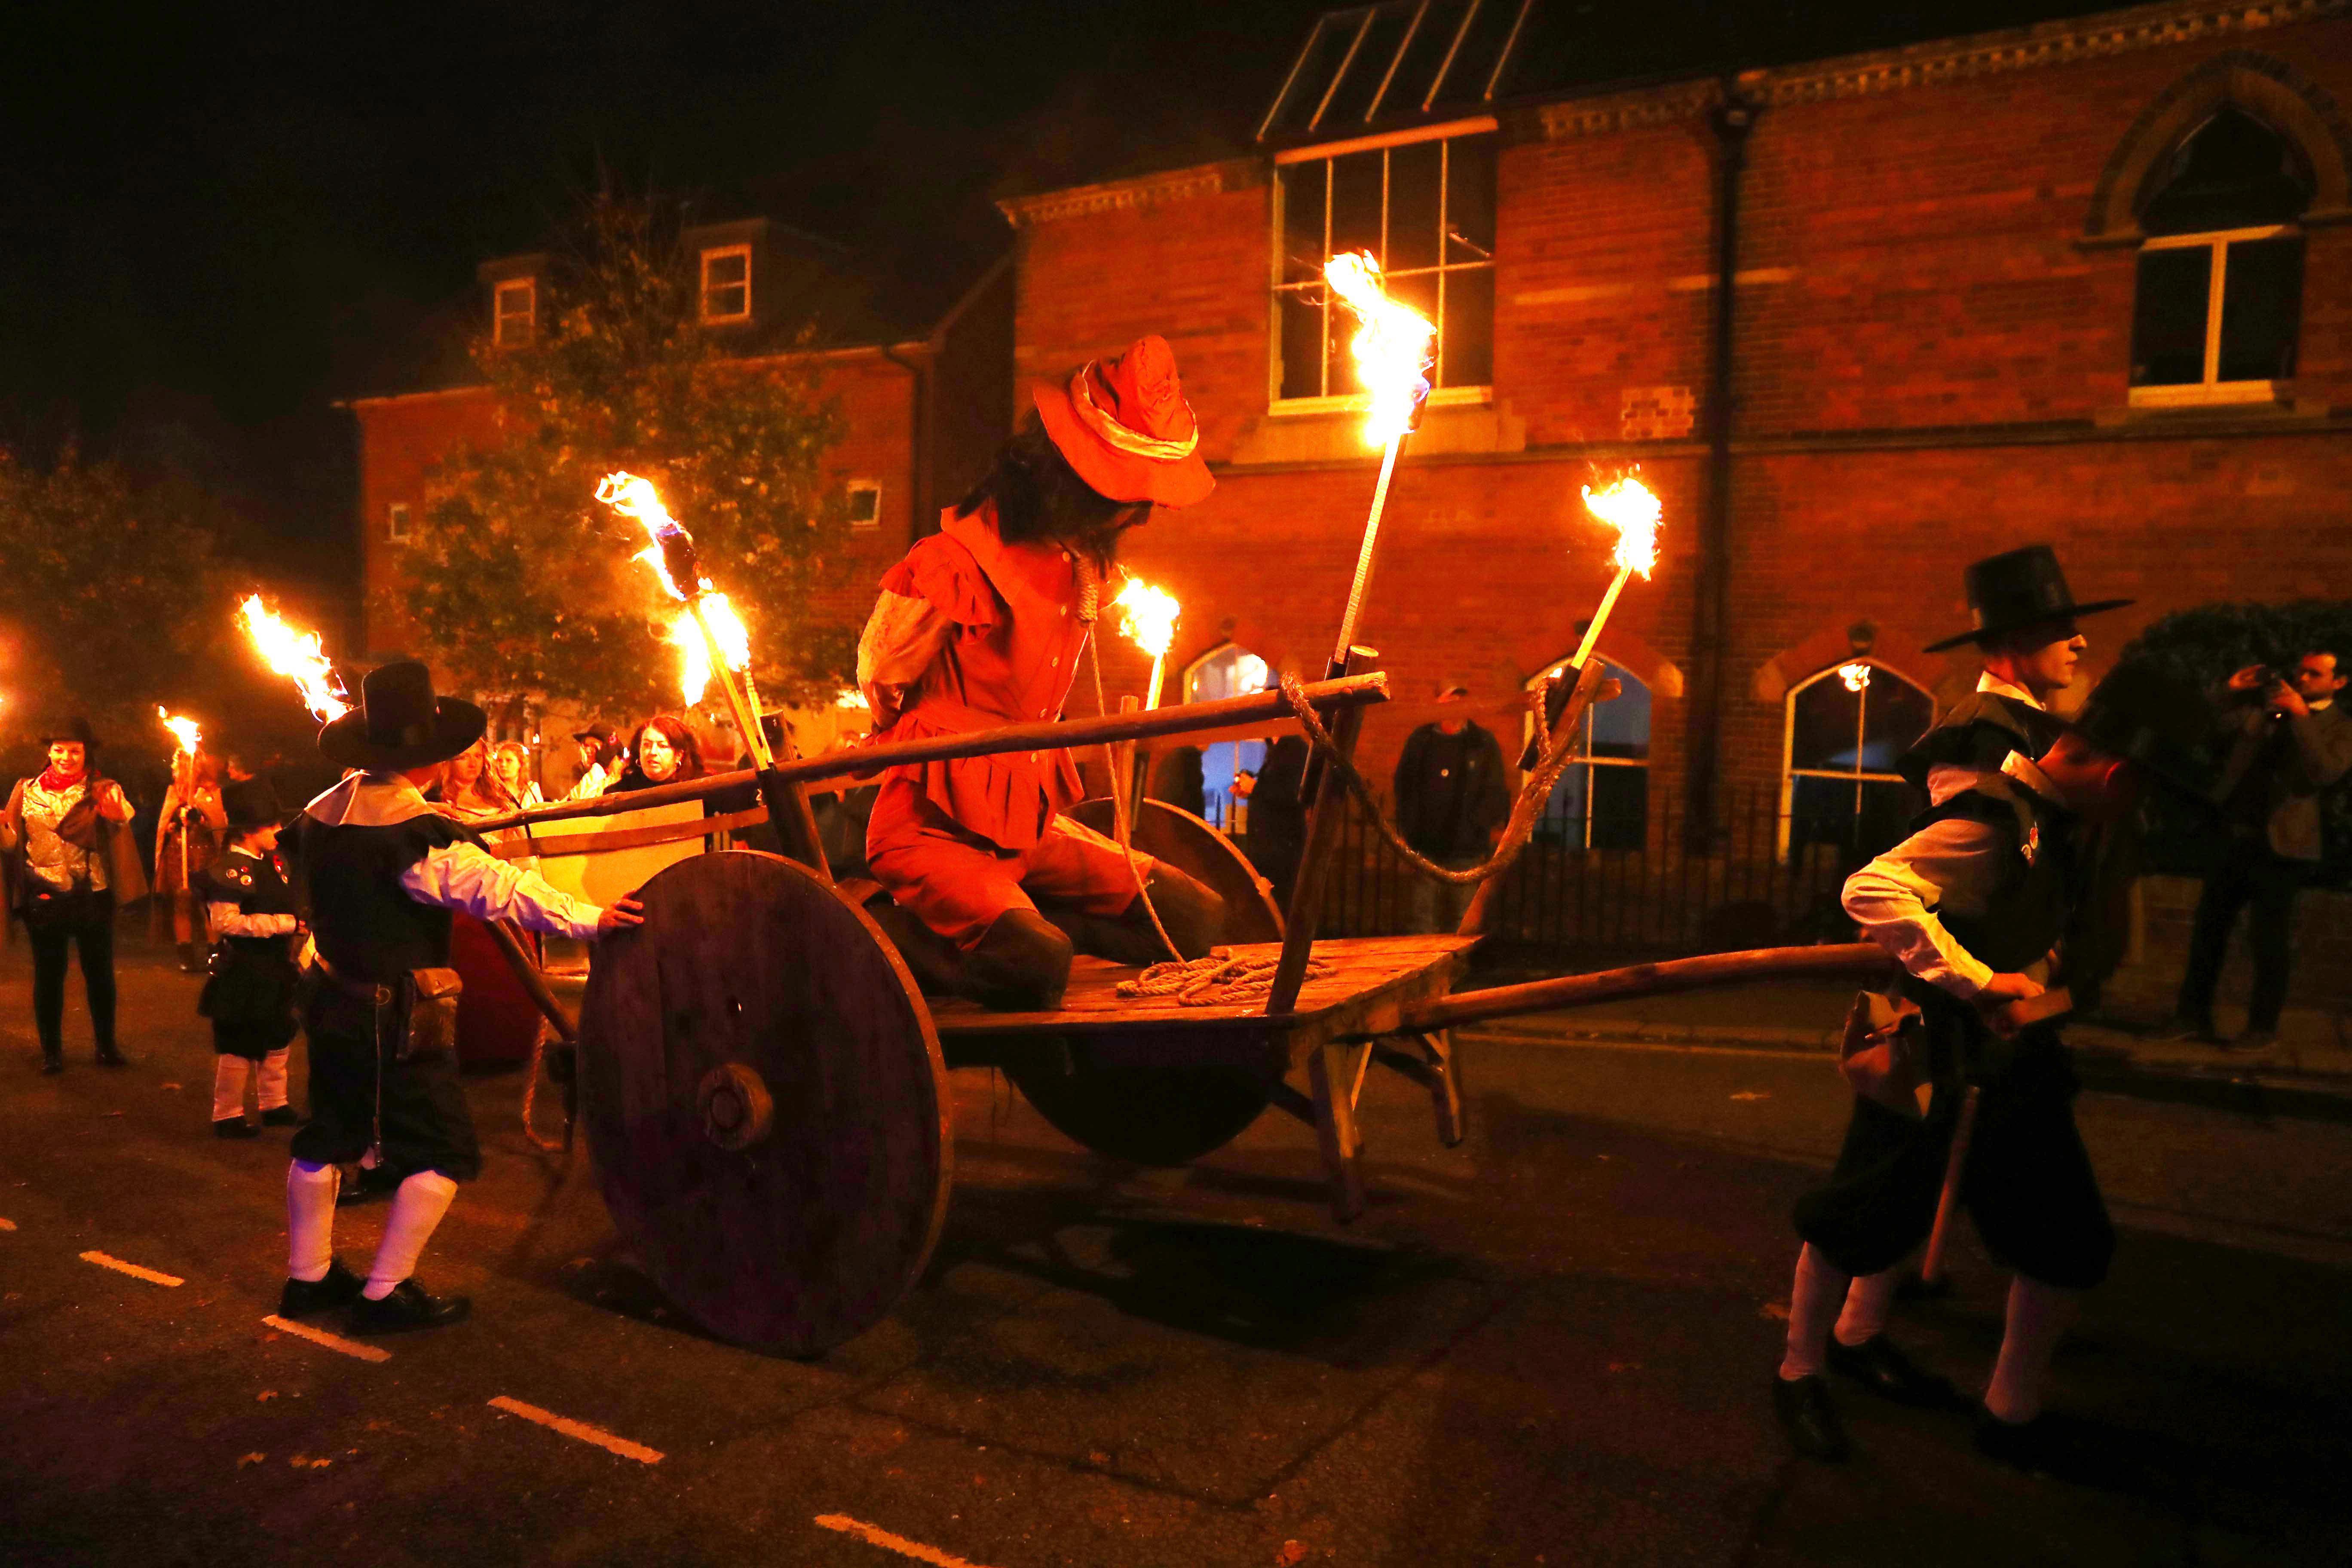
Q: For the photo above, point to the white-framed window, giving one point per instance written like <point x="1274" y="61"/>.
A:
<point x="1423" y="202"/>
<point x="1846" y="726"/>
<point x="514" y="310"/>
<point x="727" y="283"/>
<point x="2217" y="303"/>
<point x="864" y="504"/>
<point x="1602" y="801"/>
<point x="395" y="523"/>
<point x="1228" y="669"/>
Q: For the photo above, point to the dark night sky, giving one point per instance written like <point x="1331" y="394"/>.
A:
<point x="216" y="219"/>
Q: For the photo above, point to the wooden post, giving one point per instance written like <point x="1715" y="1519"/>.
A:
<point x="1588" y="678"/>
<point x="1333" y="1072"/>
<point x="1324" y="819"/>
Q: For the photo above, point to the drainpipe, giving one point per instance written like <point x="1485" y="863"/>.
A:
<point x="923" y="515"/>
<point x="1732" y="116"/>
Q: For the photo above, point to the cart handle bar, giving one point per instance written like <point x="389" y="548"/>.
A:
<point x="1041" y="735"/>
<point x="1848" y="961"/>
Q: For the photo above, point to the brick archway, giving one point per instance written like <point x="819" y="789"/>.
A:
<point x="1839" y="642"/>
<point x="2264" y="85"/>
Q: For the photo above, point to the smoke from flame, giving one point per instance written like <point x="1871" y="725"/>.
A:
<point x="1391" y="347"/>
<point x="1146" y="615"/>
<point x="1628" y="507"/>
<point x="296" y="656"/>
<point x="182" y="730"/>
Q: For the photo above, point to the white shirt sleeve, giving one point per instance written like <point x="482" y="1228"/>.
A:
<point x="464" y="878"/>
<point x="228" y="921"/>
<point x="902" y="636"/>
<point x="1948" y="864"/>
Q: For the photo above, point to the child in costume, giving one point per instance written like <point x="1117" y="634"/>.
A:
<point x="250" y="998"/>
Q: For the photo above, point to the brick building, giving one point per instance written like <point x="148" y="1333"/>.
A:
<point x="2087" y="281"/>
<point x="923" y="402"/>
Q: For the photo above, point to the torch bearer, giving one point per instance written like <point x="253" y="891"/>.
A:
<point x="1147" y="616"/>
<point x="190" y="738"/>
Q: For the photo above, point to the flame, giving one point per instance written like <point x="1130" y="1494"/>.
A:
<point x="1391" y="347"/>
<point x="1146" y="615"/>
<point x="1856" y="675"/>
<point x="1628" y="507"/>
<point x="296" y="656"/>
<point x="184" y="729"/>
<point x="726" y="627"/>
<point x="634" y="497"/>
<point x="849" y="697"/>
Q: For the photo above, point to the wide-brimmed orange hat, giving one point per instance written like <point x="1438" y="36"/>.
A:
<point x="1125" y="426"/>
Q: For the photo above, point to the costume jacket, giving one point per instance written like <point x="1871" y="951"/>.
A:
<point x="250" y="997"/>
<point x="383" y="872"/>
<point x="971" y="633"/>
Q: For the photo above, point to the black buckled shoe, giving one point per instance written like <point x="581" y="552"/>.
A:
<point x="280" y="1116"/>
<point x="235" y="1127"/>
<point x="301" y="1298"/>
<point x="1879" y="1366"/>
<point x="408" y="1307"/>
<point x="1809" y="1418"/>
<point x="52" y="1063"/>
<point x="108" y="1056"/>
<point x="2035" y="1447"/>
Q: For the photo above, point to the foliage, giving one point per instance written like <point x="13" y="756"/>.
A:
<point x="522" y="585"/>
<point x="2205" y="646"/>
<point x="110" y="597"/>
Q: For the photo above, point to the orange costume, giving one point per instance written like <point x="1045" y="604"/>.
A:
<point x="973" y="631"/>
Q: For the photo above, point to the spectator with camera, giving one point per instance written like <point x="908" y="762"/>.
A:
<point x="2287" y="740"/>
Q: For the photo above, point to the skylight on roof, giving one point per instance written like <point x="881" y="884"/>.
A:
<point x="1396" y="62"/>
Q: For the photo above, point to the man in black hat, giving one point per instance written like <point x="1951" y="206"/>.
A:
<point x="384" y="872"/>
<point x="250" y="997"/>
<point x="2027" y="634"/>
<point x="599" y="752"/>
<point x="2013" y="881"/>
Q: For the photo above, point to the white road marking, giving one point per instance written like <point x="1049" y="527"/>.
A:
<point x="322" y="1337"/>
<point x="580" y="1429"/>
<point x="149" y="1274"/>
<point x="875" y="1536"/>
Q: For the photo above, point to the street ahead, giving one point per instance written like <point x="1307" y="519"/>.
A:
<point x="1551" y="1345"/>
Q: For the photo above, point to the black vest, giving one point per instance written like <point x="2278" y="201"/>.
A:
<point x="366" y="925"/>
<point x="2038" y="886"/>
<point x="1979" y="732"/>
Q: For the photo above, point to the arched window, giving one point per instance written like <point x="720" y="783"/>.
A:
<point x="1846" y="727"/>
<point x="1226" y="670"/>
<point x="2219" y="295"/>
<point x="1602" y="801"/>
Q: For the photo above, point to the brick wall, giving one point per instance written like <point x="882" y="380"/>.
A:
<point x="1930" y="368"/>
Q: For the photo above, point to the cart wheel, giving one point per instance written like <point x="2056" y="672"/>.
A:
<point x="1150" y="1115"/>
<point x="1195" y="847"/>
<point x="765" y="1101"/>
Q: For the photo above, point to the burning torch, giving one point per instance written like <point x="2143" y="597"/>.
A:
<point x="1392" y="351"/>
<point x="298" y="656"/>
<point x="1147" y="617"/>
<point x="190" y="739"/>
<point x="716" y="642"/>
<point x="1628" y="506"/>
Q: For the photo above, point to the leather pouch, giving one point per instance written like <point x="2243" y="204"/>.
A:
<point x="432" y="1029"/>
<point x="1884" y="1055"/>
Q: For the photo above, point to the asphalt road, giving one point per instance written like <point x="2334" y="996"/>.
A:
<point x="1548" y="1346"/>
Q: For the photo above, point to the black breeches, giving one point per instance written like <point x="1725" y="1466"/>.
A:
<point x="85" y="923"/>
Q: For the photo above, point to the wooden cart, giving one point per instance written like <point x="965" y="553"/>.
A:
<point x="763" y="1086"/>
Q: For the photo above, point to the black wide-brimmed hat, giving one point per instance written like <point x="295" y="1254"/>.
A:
<point x="2154" y="721"/>
<point x="399" y="722"/>
<point x="2016" y="589"/>
<point x="251" y="803"/>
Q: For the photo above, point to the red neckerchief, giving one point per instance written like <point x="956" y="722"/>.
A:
<point x="57" y="783"/>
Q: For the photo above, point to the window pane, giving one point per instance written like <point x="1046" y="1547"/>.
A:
<point x="719" y="270"/>
<point x="1820" y="811"/>
<point x="2168" y="317"/>
<point x="1620" y="807"/>
<point x="1418" y="289"/>
<point x="2232" y="172"/>
<point x="1563" y="819"/>
<point x="1886" y="820"/>
<point x="1895" y="714"/>
<point x="1356" y="203"/>
<point x="1621" y="729"/>
<point x="1466" y="351"/>
<point x="1821" y="722"/>
<point x="1414" y="180"/>
<point x="2261" y="301"/>
<point x="1470" y="199"/>
<point x="1302" y="342"/>
<point x="1302" y="220"/>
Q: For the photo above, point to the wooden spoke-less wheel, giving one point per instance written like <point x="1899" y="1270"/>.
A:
<point x="1193" y="846"/>
<point x="764" y="1098"/>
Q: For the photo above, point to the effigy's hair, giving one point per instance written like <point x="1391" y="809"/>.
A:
<point x="1039" y="496"/>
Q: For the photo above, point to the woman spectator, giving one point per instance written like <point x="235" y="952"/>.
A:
<point x="510" y="771"/>
<point x="663" y="751"/>
<point x="469" y="789"/>
<point x="73" y="859"/>
<point x="187" y="839"/>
